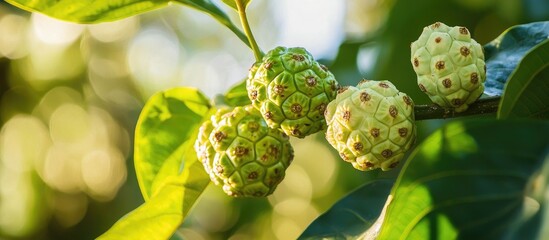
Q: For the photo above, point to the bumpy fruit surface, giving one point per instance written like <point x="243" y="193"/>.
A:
<point x="291" y="90"/>
<point x="449" y="65"/>
<point x="240" y="152"/>
<point x="371" y="125"/>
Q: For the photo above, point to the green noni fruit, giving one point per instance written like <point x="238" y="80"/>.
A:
<point x="240" y="152"/>
<point x="291" y="90"/>
<point x="371" y="125"/>
<point x="449" y="65"/>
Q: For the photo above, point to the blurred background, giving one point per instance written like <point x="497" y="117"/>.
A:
<point x="70" y="96"/>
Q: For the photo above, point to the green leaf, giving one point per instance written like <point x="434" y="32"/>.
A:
<point x="472" y="180"/>
<point x="165" y="131"/>
<point x="170" y="176"/>
<point x="526" y="92"/>
<point x="351" y="215"/>
<point x="96" y="11"/>
<point x="160" y="217"/>
<point x="233" y="3"/>
<point x="237" y="95"/>
<point x="505" y="52"/>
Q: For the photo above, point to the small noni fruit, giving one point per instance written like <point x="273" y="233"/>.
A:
<point x="291" y="90"/>
<point x="449" y="65"/>
<point x="240" y="152"/>
<point x="371" y="125"/>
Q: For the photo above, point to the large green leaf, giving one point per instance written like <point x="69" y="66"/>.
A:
<point x="170" y="176"/>
<point x="527" y="91"/>
<point x="505" y="52"/>
<point x="96" y="11"/>
<point x="351" y="215"/>
<point x="160" y="217"/>
<point x="164" y="133"/>
<point x="472" y="180"/>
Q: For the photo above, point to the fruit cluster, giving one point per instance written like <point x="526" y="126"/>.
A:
<point x="247" y="149"/>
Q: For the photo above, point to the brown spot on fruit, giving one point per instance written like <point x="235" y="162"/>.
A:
<point x="474" y="78"/>
<point x="279" y="89"/>
<point x="363" y="81"/>
<point x="321" y="108"/>
<point x="296" y="132"/>
<point x="343" y="156"/>
<point x="253" y="95"/>
<point x="393" y="111"/>
<point x="457" y="101"/>
<point x="311" y="81"/>
<point x="358" y="146"/>
<point x="393" y="165"/>
<point x="219" y="136"/>
<point x="387" y="153"/>
<point x="403" y="132"/>
<point x="268" y="115"/>
<point x="219" y="169"/>
<point x="298" y="57"/>
<point x="252" y="175"/>
<point x="384" y="85"/>
<point x="369" y="164"/>
<point x="323" y="67"/>
<point x="240" y="151"/>
<point x="374" y="132"/>
<point x="296" y="108"/>
<point x="408" y="100"/>
<point x="342" y="90"/>
<point x="464" y="51"/>
<point x="447" y="83"/>
<point x="364" y="96"/>
<point x="463" y="30"/>
<point x="268" y="65"/>
<point x="436" y="25"/>
<point x="346" y="116"/>
<point x="440" y="65"/>
<point x="438" y="39"/>
<point x="273" y="151"/>
<point x="416" y="62"/>
<point x="422" y="88"/>
<point x="253" y="126"/>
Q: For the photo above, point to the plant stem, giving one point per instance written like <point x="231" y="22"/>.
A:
<point x="244" y="21"/>
<point x="433" y="111"/>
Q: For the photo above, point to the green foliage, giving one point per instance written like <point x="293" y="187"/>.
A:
<point x="92" y="11"/>
<point x="526" y="93"/>
<point x="466" y="169"/>
<point x="170" y="176"/>
<point x="504" y="53"/>
<point x="165" y="132"/>
<point x="353" y="214"/>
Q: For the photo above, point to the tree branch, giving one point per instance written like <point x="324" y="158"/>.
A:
<point x="433" y="111"/>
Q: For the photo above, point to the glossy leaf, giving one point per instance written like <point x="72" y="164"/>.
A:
<point x="170" y="176"/>
<point x="233" y="3"/>
<point x="237" y="95"/>
<point x="472" y="180"/>
<point x="527" y="91"/>
<point x="352" y="214"/>
<point x="160" y="217"/>
<point x="164" y="133"/>
<point x="96" y="11"/>
<point x="505" y="52"/>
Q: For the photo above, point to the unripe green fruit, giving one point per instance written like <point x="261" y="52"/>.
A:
<point x="291" y="90"/>
<point x="449" y="65"/>
<point x="371" y="125"/>
<point x="240" y="152"/>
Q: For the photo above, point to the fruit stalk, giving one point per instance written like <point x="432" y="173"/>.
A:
<point x="433" y="111"/>
<point x="247" y="30"/>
